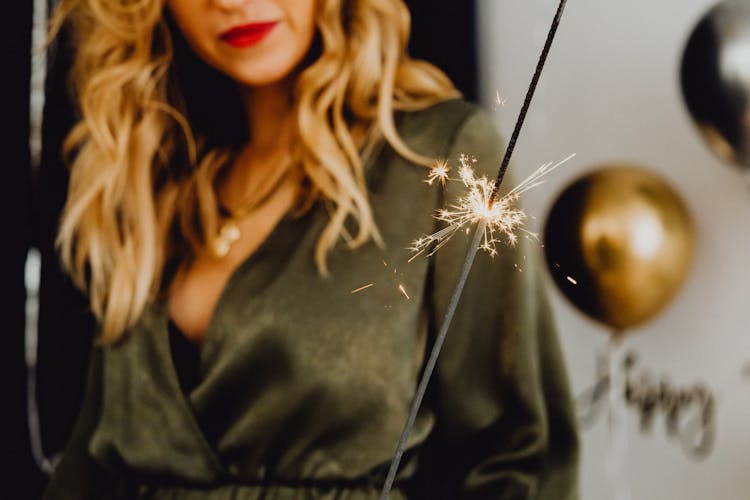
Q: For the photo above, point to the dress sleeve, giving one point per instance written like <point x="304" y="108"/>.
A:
<point x="78" y="476"/>
<point x="505" y="426"/>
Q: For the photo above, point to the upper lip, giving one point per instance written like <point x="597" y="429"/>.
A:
<point x="247" y="29"/>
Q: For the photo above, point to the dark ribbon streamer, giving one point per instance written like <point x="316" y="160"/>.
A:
<point x="468" y="261"/>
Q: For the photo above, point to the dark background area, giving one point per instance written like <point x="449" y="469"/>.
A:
<point x="18" y="468"/>
<point x="442" y="32"/>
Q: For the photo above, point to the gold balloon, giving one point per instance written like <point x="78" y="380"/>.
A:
<point x="619" y="243"/>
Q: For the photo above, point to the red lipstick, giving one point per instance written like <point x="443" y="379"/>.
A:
<point x="247" y="34"/>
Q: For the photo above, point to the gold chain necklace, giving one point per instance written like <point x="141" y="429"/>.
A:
<point x="229" y="230"/>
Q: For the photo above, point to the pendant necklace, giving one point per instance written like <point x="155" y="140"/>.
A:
<point x="229" y="229"/>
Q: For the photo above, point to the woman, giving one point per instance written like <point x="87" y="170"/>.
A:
<point x="239" y="169"/>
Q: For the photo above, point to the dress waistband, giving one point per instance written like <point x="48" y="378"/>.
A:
<point x="258" y="492"/>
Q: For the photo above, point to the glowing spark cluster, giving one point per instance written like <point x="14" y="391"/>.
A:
<point x="439" y="173"/>
<point x="504" y="220"/>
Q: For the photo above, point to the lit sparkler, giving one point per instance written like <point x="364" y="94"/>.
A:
<point x="504" y="220"/>
<point x="483" y="219"/>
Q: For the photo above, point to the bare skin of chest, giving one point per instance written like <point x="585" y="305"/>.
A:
<point x="194" y="294"/>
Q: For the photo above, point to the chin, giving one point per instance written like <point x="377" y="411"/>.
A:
<point x="262" y="75"/>
<point x="264" y="80"/>
<point x="266" y="67"/>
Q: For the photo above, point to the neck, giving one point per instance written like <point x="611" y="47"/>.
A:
<point x="261" y="163"/>
<point x="269" y="114"/>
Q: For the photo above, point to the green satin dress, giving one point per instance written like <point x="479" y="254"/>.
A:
<point x="304" y="386"/>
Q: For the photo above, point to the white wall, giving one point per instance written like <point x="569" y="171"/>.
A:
<point x="610" y="93"/>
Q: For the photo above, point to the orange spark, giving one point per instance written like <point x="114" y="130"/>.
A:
<point x="357" y="290"/>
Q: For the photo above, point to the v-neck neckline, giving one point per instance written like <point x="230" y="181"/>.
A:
<point x="255" y="272"/>
<point x="254" y="258"/>
<point x="260" y="265"/>
<point x="285" y="222"/>
<point x="258" y="268"/>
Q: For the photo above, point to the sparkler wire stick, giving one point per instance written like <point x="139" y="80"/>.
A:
<point x="468" y="261"/>
<point x="430" y="366"/>
<point x="529" y="96"/>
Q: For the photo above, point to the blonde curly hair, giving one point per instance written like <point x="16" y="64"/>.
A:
<point x="144" y="155"/>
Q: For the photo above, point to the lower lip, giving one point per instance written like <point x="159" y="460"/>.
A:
<point x="250" y="36"/>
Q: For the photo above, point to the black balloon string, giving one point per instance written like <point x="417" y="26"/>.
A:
<point x="468" y="261"/>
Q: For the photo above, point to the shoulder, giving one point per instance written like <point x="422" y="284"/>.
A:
<point x="439" y="130"/>
<point x="442" y="132"/>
